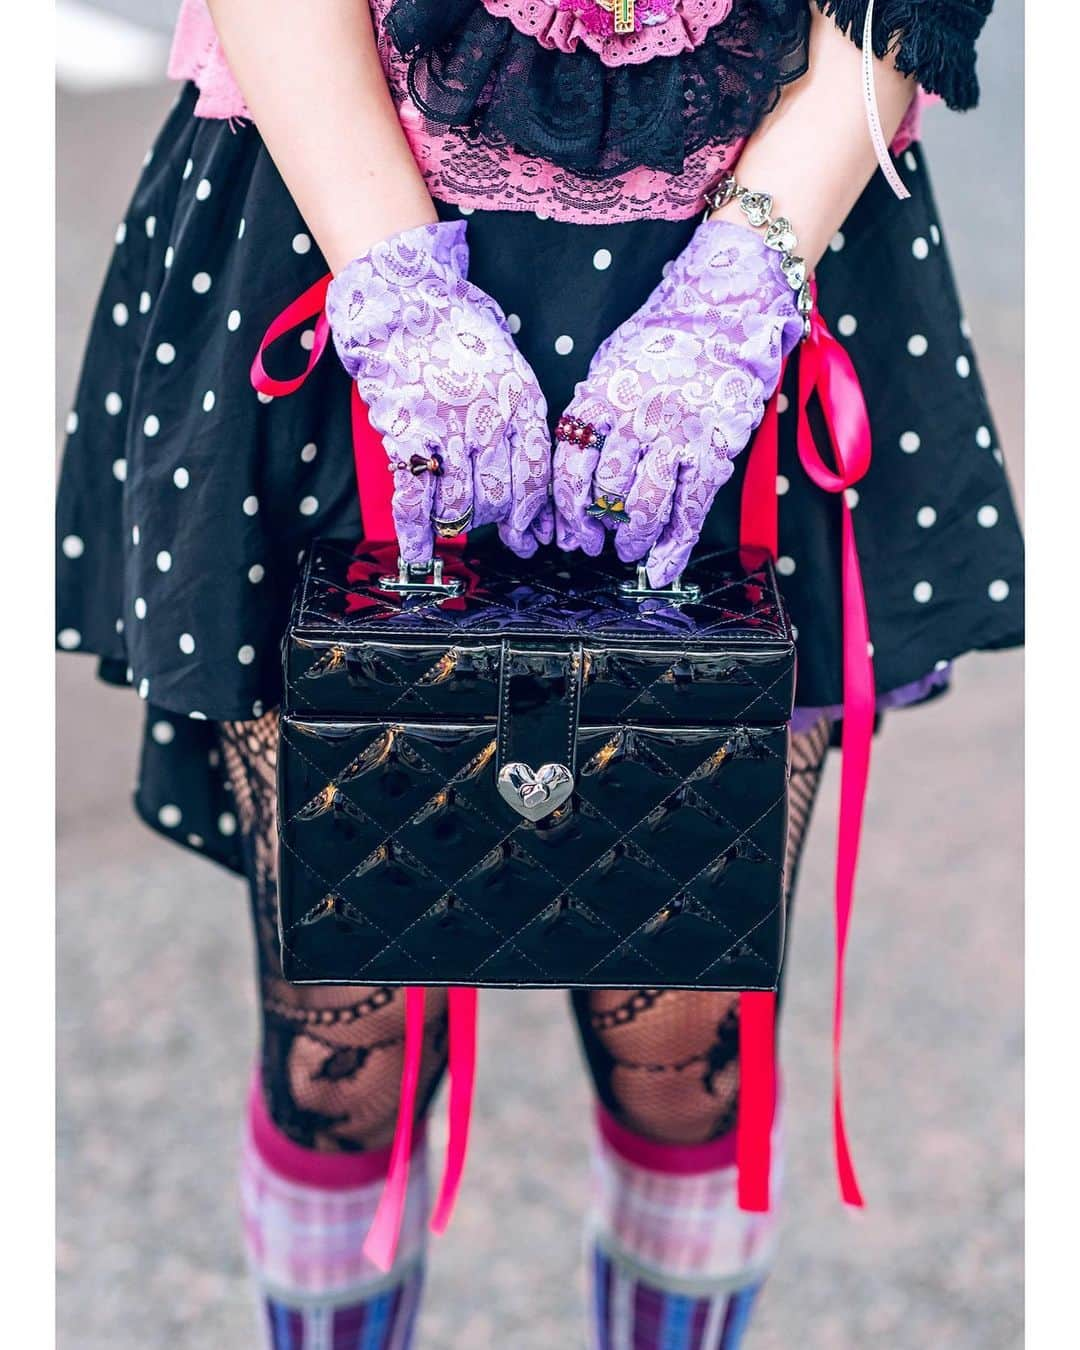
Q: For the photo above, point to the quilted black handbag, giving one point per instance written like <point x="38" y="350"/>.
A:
<point x="539" y="774"/>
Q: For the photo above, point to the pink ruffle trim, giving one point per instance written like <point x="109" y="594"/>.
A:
<point x="560" y="25"/>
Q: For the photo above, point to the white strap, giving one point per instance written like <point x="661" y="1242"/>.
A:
<point x="881" y="149"/>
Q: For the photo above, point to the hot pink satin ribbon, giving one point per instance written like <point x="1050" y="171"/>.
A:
<point x="825" y="369"/>
<point x="375" y="487"/>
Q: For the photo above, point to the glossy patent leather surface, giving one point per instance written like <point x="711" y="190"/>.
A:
<point x="404" y="861"/>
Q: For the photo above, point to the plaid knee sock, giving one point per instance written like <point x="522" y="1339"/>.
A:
<point x="306" y="1215"/>
<point x="674" y="1263"/>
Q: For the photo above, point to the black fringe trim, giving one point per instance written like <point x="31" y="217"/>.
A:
<point x="934" y="40"/>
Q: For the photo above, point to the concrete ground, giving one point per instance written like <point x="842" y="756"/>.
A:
<point x="156" y="1014"/>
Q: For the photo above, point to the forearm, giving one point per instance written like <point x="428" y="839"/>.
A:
<point x="813" y="152"/>
<point x="310" y="73"/>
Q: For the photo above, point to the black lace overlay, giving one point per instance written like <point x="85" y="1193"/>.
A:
<point x="471" y="70"/>
<point x="934" y="40"/>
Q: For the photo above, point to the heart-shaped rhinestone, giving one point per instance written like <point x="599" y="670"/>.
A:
<point x="756" y="207"/>
<point x="534" y="794"/>
<point x="795" y="271"/>
<point x="780" y="236"/>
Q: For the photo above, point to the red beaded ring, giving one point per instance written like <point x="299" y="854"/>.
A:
<point x="573" y="431"/>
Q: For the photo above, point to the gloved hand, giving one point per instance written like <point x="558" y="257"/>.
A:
<point x="670" y="398"/>
<point x="461" y="414"/>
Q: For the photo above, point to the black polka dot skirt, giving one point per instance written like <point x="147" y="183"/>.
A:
<point x="187" y="499"/>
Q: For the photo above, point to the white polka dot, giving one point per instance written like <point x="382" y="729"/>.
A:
<point x="195" y="840"/>
<point x="197" y="716"/>
<point x="917" y="344"/>
<point x="923" y="591"/>
<point x="187" y="170"/>
<point x="232" y="323"/>
<point x="794" y="632"/>
<point x="166" y="353"/>
<point x="782" y="485"/>
<point x="201" y="283"/>
<point x="144" y="689"/>
<point x="910" y="160"/>
<point x="170" y="254"/>
<point x="163" y="560"/>
<point x="785" y="565"/>
<point x="148" y="157"/>
<point x="601" y="259"/>
<point x="203" y="190"/>
<point x="782" y="403"/>
<point x="466" y="210"/>
<point x="851" y="496"/>
<point x="163" y="732"/>
<point x="246" y="654"/>
<point x="935" y="234"/>
<point x="998" y="455"/>
<point x="965" y="328"/>
<point x="542" y="215"/>
<point x="119" y="625"/>
<point x="846" y="325"/>
<point x="870" y="650"/>
<point x="998" y="590"/>
<point x="941" y="665"/>
<point x="564" y="344"/>
<point x="257" y="708"/>
<point x="665" y="271"/>
<point x="213" y="757"/>
<point x="301" y="243"/>
<point x="250" y="506"/>
<point x="71" y="426"/>
<point x="170" y="816"/>
<point x="121" y="232"/>
<point x="151" y="226"/>
<point x="983" y="438"/>
<point x="987" y="516"/>
<point x="308" y="453"/>
<point x="920" y="248"/>
<point x="208" y="400"/>
<point x="144" y="302"/>
<point x="513" y="322"/>
<point x="307" y="339"/>
<point x="909" y="442"/>
<point x="119" y="470"/>
<point x="181" y="477"/>
<point x="264" y="398"/>
<point x="120" y="314"/>
<point x="309" y="505"/>
<point x="926" y="516"/>
<point x="226" y="823"/>
<point x="151" y="426"/>
<point x="186" y="643"/>
<point x="113" y="404"/>
<point x="129" y="675"/>
<point x="69" y="638"/>
<point x="72" y="546"/>
<point x="243" y="227"/>
<point x="256" y="573"/>
<point x="963" y="367"/>
<point x="836" y="243"/>
<point x="135" y="535"/>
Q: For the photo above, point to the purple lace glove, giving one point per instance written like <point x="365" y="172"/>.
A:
<point x="460" y="412"/>
<point x="676" y="391"/>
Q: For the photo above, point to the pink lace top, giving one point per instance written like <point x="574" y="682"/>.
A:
<point x="478" y="176"/>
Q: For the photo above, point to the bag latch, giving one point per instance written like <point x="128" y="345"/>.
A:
<point x="536" y="744"/>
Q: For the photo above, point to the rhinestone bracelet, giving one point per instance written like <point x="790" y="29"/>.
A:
<point x="779" y="236"/>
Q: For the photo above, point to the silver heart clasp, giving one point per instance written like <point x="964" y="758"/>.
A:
<point x="534" y="794"/>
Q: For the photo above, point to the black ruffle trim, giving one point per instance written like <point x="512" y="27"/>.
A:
<point x="471" y="70"/>
<point x="934" y="40"/>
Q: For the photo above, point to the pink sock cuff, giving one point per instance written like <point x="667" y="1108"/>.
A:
<point x="308" y="1167"/>
<point x="683" y="1160"/>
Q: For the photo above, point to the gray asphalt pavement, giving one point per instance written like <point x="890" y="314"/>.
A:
<point x="156" y="1014"/>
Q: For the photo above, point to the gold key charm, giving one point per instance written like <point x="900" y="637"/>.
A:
<point x="622" y="12"/>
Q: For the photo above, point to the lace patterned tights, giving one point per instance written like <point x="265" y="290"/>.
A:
<point x="663" y="1062"/>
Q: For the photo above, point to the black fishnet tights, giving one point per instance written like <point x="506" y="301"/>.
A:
<point x="664" y="1062"/>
